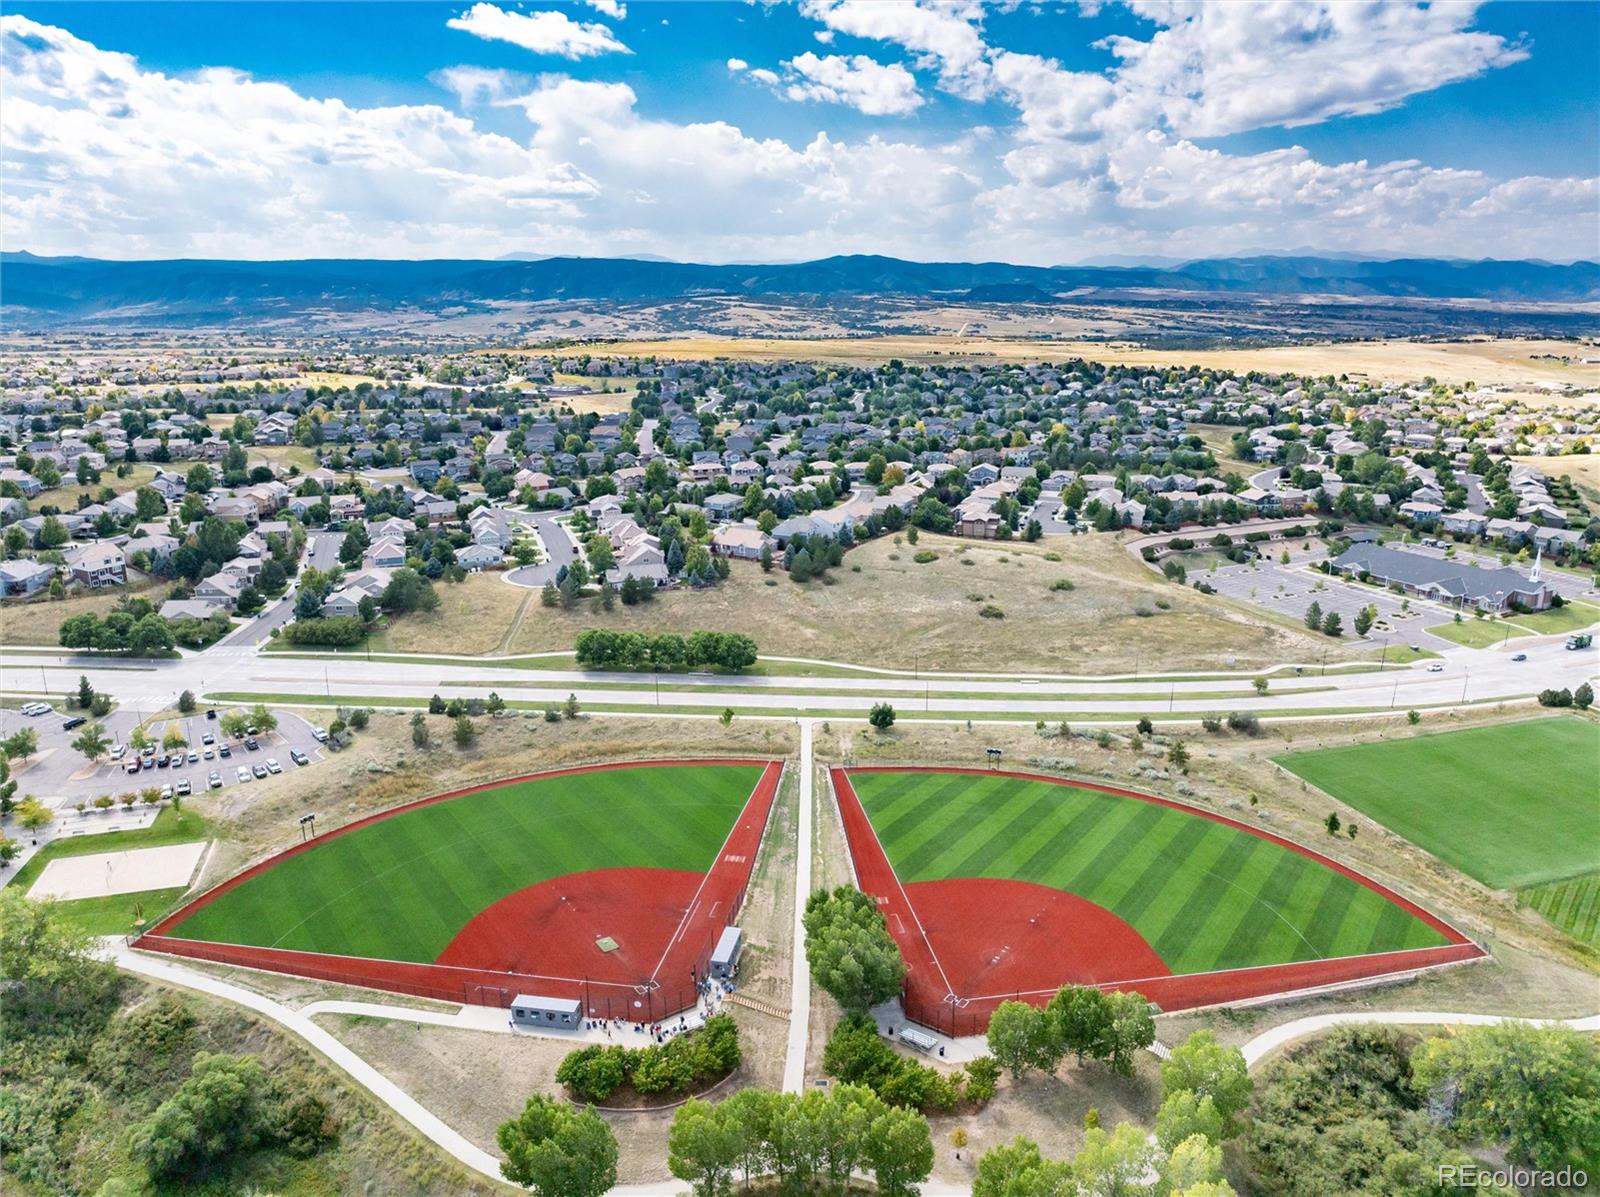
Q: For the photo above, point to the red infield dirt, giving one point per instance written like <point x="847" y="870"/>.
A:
<point x="972" y="943"/>
<point x="542" y="939"/>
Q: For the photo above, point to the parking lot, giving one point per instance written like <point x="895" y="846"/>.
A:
<point x="1291" y="589"/>
<point x="60" y="776"/>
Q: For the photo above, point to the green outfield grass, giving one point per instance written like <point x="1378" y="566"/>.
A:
<point x="1478" y="633"/>
<point x="1573" y="905"/>
<point x="1204" y="895"/>
<point x="1512" y="804"/>
<point x="401" y="888"/>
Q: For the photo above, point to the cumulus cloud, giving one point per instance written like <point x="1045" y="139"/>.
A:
<point x="546" y="32"/>
<point x="863" y="83"/>
<point x="945" y="33"/>
<point x="104" y="156"/>
<point x="610" y="8"/>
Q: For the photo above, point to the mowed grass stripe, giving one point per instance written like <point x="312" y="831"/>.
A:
<point x="1512" y="804"/>
<point x="1572" y="905"/>
<point x="1204" y="895"/>
<point x="402" y="888"/>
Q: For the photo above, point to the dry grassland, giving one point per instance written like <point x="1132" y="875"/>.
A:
<point x="1488" y="361"/>
<point x="474" y="616"/>
<point x="38" y="620"/>
<point x="900" y="614"/>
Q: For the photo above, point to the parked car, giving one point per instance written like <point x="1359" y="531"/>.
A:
<point x="299" y="757"/>
<point x="166" y="791"/>
<point x="36" y="708"/>
<point x="252" y="730"/>
<point x="163" y="761"/>
<point x="259" y="770"/>
<point x="183" y="787"/>
<point x="148" y="752"/>
<point x="117" y="750"/>
<point x="1520" y="657"/>
<point x="209" y="754"/>
<point x="211" y="714"/>
<point x="253" y="744"/>
<point x="320" y="735"/>
<point x="214" y="780"/>
<point x="193" y="758"/>
<point x="135" y="764"/>
<point x="273" y="766"/>
<point x="242" y="773"/>
<point x="224" y="751"/>
<point x="74" y="722"/>
<point x="208" y="738"/>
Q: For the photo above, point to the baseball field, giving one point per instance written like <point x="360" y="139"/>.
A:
<point x="1013" y="884"/>
<point x="612" y="875"/>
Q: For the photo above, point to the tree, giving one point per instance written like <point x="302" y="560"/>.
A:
<point x="150" y="637"/>
<point x="419" y="731"/>
<point x="8" y="787"/>
<point x="1535" y="1089"/>
<point x="1261" y="684"/>
<point x="899" y="1151"/>
<point x="85" y="693"/>
<point x="52" y="533"/>
<point x="1016" y="1169"/>
<point x="558" y="1151"/>
<point x="704" y="1146"/>
<point x="218" y="1112"/>
<point x="1363" y="620"/>
<point x="1132" y="1029"/>
<point x="1332" y="625"/>
<point x="850" y="950"/>
<point x="465" y="734"/>
<point x="881" y="716"/>
<point x="1022" y="1037"/>
<point x="262" y="718"/>
<point x="1583" y="697"/>
<point x="570" y="707"/>
<point x="1179" y="756"/>
<point x="408" y="591"/>
<point x="1202" y="1066"/>
<point x="186" y="702"/>
<point x="550" y="596"/>
<point x="1115" y="1163"/>
<point x="92" y="741"/>
<point x="726" y="717"/>
<point x="1082" y="1020"/>
<point x="21" y="744"/>
<point x="1184" y="1114"/>
<point x="1332" y="823"/>
<point x="1314" y="616"/>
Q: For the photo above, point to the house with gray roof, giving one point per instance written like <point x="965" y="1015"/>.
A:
<point x="1444" y="580"/>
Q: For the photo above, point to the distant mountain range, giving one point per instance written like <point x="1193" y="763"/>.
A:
<point x="38" y="291"/>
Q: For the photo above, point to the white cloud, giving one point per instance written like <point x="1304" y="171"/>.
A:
<point x="945" y="32"/>
<point x="611" y="8"/>
<point x="103" y="156"/>
<point x="864" y="84"/>
<point x="738" y="64"/>
<point x="546" y="32"/>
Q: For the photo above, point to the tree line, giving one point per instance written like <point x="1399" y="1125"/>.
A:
<point x="602" y="648"/>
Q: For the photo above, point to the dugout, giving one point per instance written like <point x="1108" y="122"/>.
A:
<point x="530" y="1010"/>
<point x="726" y="957"/>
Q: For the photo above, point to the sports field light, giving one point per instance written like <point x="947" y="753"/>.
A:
<point x="307" y="822"/>
<point x="994" y="756"/>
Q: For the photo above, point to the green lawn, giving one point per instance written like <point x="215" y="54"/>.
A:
<point x="1204" y="895"/>
<point x="1478" y="633"/>
<point x="1573" y="905"/>
<point x="401" y="888"/>
<point x="115" y="913"/>
<point x="1571" y="617"/>
<point x="1511" y="804"/>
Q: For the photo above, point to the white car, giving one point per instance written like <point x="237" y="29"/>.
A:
<point x="1436" y="667"/>
<point x="242" y="773"/>
<point x="166" y="791"/>
<point x="273" y="766"/>
<point x="183" y="788"/>
<point x="319" y="734"/>
<point x="214" y="781"/>
<point x="117" y="750"/>
<point x="36" y="708"/>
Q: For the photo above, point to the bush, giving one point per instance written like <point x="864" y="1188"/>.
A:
<point x="858" y="1055"/>
<point x="679" y="1066"/>
<point x="990" y="611"/>
<point x="1244" y="722"/>
<point x="338" y="631"/>
<point x="1062" y="584"/>
<point x="923" y="556"/>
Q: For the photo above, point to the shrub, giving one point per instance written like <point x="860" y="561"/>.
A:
<point x="679" y="1066"/>
<point x="923" y="556"/>
<point x="990" y="611"/>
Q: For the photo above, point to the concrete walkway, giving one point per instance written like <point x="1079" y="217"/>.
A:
<point x="1268" y="1042"/>
<point x="794" y="1060"/>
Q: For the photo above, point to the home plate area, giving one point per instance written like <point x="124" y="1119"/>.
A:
<point x="107" y="873"/>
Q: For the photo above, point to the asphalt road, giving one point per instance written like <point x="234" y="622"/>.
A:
<point x="322" y="551"/>
<point x="559" y="549"/>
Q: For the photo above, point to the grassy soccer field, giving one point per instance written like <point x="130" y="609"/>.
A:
<point x="1573" y="905"/>
<point x="402" y="887"/>
<point x="1204" y="895"/>
<point x="1512" y="804"/>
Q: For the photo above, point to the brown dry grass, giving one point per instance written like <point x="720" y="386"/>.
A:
<point x="1582" y="468"/>
<point x="473" y="616"/>
<point x="1487" y="361"/>
<point x="38" y="620"/>
<point x="66" y="495"/>
<point x="900" y="614"/>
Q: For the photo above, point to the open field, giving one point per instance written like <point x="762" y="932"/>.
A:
<point x="1573" y="905"/>
<point x="1219" y="439"/>
<point x="403" y="887"/>
<point x="473" y="616"/>
<point x="1567" y="618"/>
<point x="618" y="398"/>
<point x="1512" y="804"/>
<point x="900" y="614"/>
<point x="1582" y="468"/>
<point x="1486" y="361"/>
<point x="38" y="620"/>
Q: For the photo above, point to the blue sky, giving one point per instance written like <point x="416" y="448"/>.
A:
<point x="734" y="131"/>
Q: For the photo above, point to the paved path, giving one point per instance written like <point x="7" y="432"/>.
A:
<point x="794" y="1060"/>
<point x="1267" y="1042"/>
